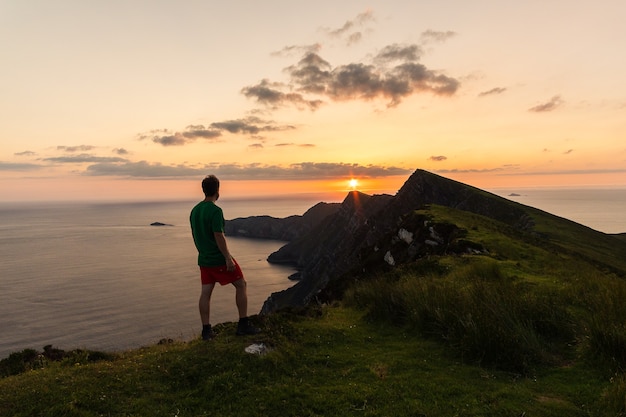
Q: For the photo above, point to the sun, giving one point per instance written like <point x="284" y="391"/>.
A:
<point x="353" y="183"/>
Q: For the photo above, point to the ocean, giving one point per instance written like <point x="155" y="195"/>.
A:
<point x="602" y="209"/>
<point x="98" y="276"/>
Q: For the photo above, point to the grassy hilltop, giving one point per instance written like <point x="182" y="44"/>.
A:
<point x="532" y="323"/>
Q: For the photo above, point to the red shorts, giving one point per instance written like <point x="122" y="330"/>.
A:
<point x="213" y="274"/>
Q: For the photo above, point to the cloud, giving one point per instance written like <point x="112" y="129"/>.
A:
<point x="193" y="132"/>
<point x="470" y="171"/>
<point x="573" y="172"/>
<point x="248" y="125"/>
<point x="79" y="148"/>
<point x="166" y="137"/>
<point x="396" y="52"/>
<point x="254" y="171"/>
<point x="493" y="91"/>
<point x="21" y="167"/>
<point x="297" y="50"/>
<point x="306" y="170"/>
<point x="438" y="158"/>
<point x="269" y="94"/>
<point x="552" y="104"/>
<point x="354" y="38"/>
<point x="177" y="139"/>
<point x="83" y="158"/>
<point x="120" y="151"/>
<point x="395" y="73"/>
<point x="365" y="82"/>
<point x="392" y="74"/>
<point x="359" y="21"/>
<point x="432" y="36"/>
<point x="302" y="145"/>
<point x="567" y="152"/>
<point x="141" y="169"/>
<point x="513" y="170"/>
<point x="25" y="153"/>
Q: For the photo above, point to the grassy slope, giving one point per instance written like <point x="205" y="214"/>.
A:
<point x="343" y="361"/>
<point x="597" y="247"/>
<point x="337" y="364"/>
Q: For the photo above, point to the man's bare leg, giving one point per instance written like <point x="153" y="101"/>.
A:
<point x="244" y="327"/>
<point x="241" y="297"/>
<point x="204" y="305"/>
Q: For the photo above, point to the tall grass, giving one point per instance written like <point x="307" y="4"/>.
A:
<point x="613" y="401"/>
<point x="484" y="315"/>
<point x="604" y="298"/>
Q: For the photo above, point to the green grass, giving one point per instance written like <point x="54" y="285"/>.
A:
<point x="533" y="327"/>
<point x="486" y="317"/>
<point x="337" y="364"/>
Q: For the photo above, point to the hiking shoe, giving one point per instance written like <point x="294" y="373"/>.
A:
<point x="244" y="328"/>
<point x="208" y="334"/>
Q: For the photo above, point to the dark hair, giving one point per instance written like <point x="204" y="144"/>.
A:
<point x="210" y="185"/>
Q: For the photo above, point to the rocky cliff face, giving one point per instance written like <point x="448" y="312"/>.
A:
<point x="382" y="228"/>
<point x="287" y="229"/>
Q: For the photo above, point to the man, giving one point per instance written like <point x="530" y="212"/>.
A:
<point x="215" y="261"/>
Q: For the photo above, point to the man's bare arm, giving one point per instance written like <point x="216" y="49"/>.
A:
<point x="220" y="239"/>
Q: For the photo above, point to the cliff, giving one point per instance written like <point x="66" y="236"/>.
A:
<point x="287" y="229"/>
<point x="374" y="231"/>
<point x="364" y="224"/>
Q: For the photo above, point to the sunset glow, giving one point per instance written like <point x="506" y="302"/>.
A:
<point x="354" y="96"/>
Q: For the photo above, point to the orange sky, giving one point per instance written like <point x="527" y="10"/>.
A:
<point x="136" y="100"/>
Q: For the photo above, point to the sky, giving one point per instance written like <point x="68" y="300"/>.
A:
<point x="138" y="99"/>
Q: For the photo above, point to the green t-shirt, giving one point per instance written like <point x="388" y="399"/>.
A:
<point x="206" y="218"/>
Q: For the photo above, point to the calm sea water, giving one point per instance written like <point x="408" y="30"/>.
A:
<point x="98" y="276"/>
<point x="602" y="209"/>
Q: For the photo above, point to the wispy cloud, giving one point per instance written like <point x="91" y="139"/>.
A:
<point x="142" y="169"/>
<point x="83" y="158"/>
<point x="256" y="171"/>
<point x="432" y="36"/>
<point x="120" y="151"/>
<point x="572" y="172"/>
<point x="250" y="125"/>
<point x="493" y="91"/>
<point x="438" y="158"/>
<point x="301" y="145"/>
<point x="308" y="170"/>
<point x="297" y="50"/>
<point x="351" y="30"/>
<point x="470" y="170"/>
<point x="397" y="52"/>
<point x="550" y="105"/>
<point x="25" y="153"/>
<point x="20" y="167"/>
<point x="79" y="148"/>
<point x="514" y="170"/>
<point x="247" y="126"/>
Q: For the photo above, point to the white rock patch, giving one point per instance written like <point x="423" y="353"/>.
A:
<point x="389" y="259"/>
